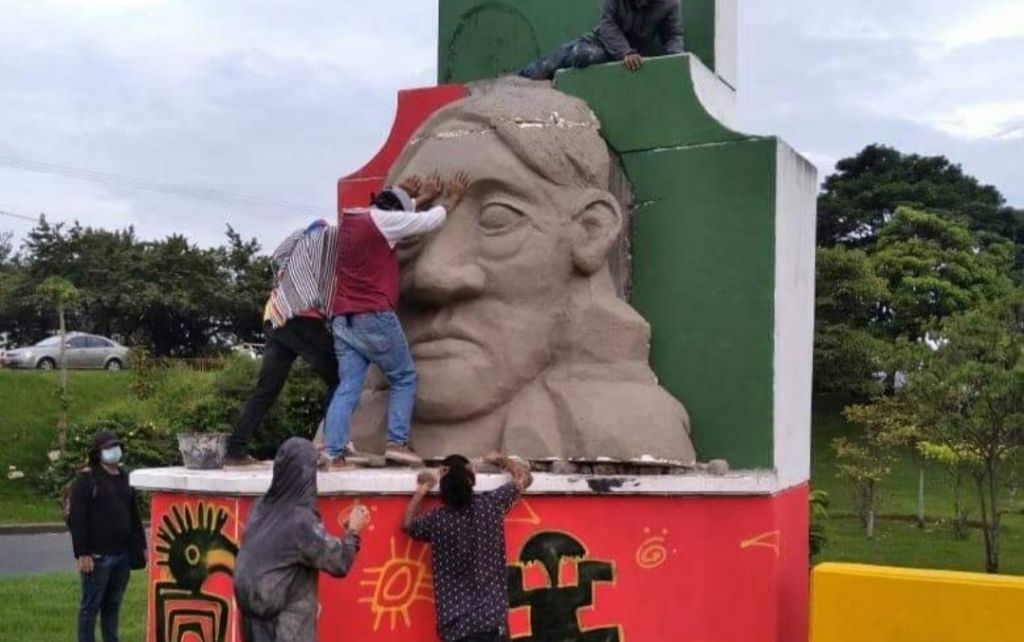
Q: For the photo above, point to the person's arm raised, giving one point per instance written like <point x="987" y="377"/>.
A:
<point x="517" y="469"/>
<point x="399" y="225"/>
<point x="425" y="481"/>
<point x="330" y="554"/>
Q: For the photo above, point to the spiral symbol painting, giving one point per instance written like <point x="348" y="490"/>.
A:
<point x="652" y="552"/>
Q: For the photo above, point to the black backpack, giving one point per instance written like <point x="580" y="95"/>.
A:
<point x="65" y="497"/>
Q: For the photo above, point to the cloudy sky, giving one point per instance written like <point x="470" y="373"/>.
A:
<point x="268" y="102"/>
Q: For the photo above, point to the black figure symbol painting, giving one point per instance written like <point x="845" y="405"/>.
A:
<point x="553" y="609"/>
<point x="192" y="545"/>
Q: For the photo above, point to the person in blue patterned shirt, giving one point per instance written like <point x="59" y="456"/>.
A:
<point x="467" y="538"/>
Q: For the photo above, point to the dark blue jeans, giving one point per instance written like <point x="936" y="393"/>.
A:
<point x="579" y="53"/>
<point x="102" y="591"/>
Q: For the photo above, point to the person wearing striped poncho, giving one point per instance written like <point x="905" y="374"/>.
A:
<point x="295" y="326"/>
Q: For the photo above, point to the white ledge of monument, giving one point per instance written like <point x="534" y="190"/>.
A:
<point x="252" y="482"/>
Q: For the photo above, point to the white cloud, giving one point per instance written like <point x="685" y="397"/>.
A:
<point x="1000" y="120"/>
<point x="991" y="20"/>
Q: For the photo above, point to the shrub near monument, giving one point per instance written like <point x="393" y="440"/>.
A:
<point x="168" y="400"/>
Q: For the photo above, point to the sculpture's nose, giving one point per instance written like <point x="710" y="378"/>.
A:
<point x="445" y="271"/>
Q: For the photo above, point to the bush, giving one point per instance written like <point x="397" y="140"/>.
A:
<point x="818" y="531"/>
<point x="171" y="399"/>
<point x="143" y="443"/>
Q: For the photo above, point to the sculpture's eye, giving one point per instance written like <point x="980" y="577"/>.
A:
<point x="498" y="218"/>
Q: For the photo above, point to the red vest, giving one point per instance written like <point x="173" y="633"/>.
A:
<point x="366" y="272"/>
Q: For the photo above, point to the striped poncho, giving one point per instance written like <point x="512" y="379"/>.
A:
<point x="303" y="274"/>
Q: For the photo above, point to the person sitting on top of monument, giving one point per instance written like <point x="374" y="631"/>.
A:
<point x="629" y="30"/>
<point x="366" y="329"/>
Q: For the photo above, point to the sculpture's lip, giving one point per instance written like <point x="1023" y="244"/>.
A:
<point x="440" y="347"/>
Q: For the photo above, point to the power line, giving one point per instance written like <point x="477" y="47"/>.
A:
<point x="175" y="189"/>
<point x="21" y="216"/>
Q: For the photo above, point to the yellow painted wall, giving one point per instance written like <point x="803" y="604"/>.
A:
<point x="858" y="603"/>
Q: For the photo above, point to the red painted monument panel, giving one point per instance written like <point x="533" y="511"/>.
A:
<point x="414" y="107"/>
<point x="591" y="569"/>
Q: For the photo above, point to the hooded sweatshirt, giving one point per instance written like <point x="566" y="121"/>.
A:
<point x="647" y="27"/>
<point x="284" y="548"/>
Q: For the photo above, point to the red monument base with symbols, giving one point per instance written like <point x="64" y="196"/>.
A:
<point x="585" y="565"/>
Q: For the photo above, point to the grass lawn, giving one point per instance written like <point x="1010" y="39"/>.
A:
<point x="44" y="608"/>
<point x="899" y="542"/>
<point x="28" y="420"/>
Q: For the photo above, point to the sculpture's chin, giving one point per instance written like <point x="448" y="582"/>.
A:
<point x="456" y="390"/>
<point x="450" y="400"/>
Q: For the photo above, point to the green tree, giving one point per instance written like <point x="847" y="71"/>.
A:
<point x="60" y="293"/>
<point x="969" y="399"/>
<point x="934" y="267"/>
<point x="867" y="189"/>
<point x="867" y="460"/>
<point x="170" y="295"/>
<point x="847" y="348"/>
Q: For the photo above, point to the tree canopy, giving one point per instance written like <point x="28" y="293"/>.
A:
<point x="169" y="294"/>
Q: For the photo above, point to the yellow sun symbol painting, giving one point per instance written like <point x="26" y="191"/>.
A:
<point x="397" y="585"/>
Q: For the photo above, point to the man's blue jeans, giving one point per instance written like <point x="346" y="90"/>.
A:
<point x="102" y="591"/>
<point x="359" y="340"/>
<point x="579" y="53"/>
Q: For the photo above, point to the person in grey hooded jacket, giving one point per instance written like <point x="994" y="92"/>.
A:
<point x="284" y="548"/>
<point x="629" y="31"/>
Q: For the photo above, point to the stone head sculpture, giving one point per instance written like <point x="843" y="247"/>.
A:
<point x="520" y="340"/>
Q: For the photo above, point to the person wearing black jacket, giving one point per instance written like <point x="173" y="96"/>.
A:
<point x="629" y="31"/>
<point x="107" y="536"/>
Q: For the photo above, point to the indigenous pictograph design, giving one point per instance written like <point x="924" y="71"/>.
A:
<point x="522" y="513"/>
<point x="398" y="584"/>
<point x="652" y="552"/>
<point x="192" y="546"/>
<point x="771" y="540"/>
<point x="554" y="608"/>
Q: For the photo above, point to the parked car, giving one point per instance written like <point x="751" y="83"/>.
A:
<point x="82" y="351"/>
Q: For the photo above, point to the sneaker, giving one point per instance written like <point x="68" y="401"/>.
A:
<point x="245" y="461"/>
<point x="404" y="455"/>
<point x="329" y="464"/>
<point x="353" y="456"/>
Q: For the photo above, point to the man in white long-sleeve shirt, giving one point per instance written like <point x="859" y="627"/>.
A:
<point x="365" y="327"/>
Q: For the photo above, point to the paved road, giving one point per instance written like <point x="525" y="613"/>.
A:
<point x="39" y="553"/>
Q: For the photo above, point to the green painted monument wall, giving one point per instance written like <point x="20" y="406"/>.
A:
<point x="703" y="248"/>
<point x="703" y="277"/>
<point x="481" y="39"/>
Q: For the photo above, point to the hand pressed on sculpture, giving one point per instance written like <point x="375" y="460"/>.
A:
<point x="432" y="189"/>
<point x="412" y="186"/>
<point x="455" y="190"/>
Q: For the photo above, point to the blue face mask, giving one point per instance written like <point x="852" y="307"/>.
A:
<point x="111" y="456"/>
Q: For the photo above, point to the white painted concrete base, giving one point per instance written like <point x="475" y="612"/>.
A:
<point x="403" y="481"/>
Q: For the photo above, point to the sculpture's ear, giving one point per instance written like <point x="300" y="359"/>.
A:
<point x="598" y="223"/>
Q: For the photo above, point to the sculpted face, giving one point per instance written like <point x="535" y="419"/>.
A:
<point x="521" y="341"/>
<point x="485" y="297"/>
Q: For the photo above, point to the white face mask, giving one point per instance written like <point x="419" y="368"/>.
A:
<point x="111" y="456"/>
